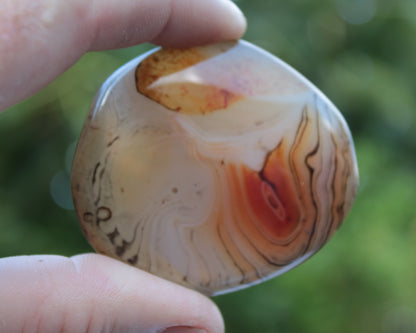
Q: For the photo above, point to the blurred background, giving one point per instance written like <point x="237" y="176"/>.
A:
<point x="362" y="55"/>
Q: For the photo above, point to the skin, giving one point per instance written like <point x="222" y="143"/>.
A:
<point x="39" y="40"/>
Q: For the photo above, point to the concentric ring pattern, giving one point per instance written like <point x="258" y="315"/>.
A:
<point x="214" y="167"/>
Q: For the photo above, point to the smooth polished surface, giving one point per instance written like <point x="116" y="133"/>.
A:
<point x="214" y="167"/>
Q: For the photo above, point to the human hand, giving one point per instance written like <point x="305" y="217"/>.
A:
<point x="94" y="293"/>
<point x="40" y="39"/>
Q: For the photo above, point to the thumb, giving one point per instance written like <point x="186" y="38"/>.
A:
<point x="94" y="293"/>
<point x="41" y="39"/>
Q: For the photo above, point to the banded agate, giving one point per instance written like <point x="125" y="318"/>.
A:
<point x="214" y="167"/>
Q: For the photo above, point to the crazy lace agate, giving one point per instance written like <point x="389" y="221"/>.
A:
<point x="215" y="167"/>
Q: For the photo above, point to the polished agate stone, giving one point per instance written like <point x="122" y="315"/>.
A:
<point x="214" y="167"/>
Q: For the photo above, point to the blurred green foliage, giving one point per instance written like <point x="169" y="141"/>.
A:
<point x="361" y="53"/>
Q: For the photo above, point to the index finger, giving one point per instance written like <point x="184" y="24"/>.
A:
<point x="41" y="39"/>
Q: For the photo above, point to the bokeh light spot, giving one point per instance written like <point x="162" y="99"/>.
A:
<point x="356" y="11"/>
<point x="60" y="189"/>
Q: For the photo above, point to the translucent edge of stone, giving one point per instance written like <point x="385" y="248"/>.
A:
<point x="281" y="271"/>
<point x="104" y="91"/>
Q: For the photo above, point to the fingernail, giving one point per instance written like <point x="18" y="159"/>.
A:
<point x="184" y="329"/>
